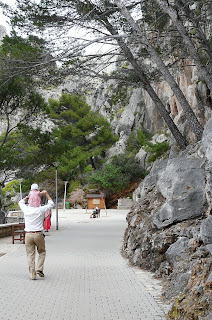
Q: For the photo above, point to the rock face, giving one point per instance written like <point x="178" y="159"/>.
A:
<point x="181" y="183"/>
<point x="207" y="140"/>
<point x="206" y="230"/>
<point x="128" y="108"/>
<point x="169" y="231"/>
<point x="178" y="250"/>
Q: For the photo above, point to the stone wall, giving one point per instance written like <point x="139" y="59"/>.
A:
<point x="170" y="226"/>
<point x="124" y="203"/>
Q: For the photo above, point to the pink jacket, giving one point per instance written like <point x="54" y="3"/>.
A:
<point x="34" y="198"/>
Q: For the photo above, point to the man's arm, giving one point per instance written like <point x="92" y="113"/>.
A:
<point x="22" y="204"/>
<point x="50" y="203"/>
<point x="45" y="193"/>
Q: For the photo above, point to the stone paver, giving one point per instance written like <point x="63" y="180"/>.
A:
<point x="86" y="275"/>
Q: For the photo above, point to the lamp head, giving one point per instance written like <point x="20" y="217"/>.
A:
<point x="56" y="164"/>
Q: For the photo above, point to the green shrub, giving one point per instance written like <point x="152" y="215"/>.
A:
<point x="132" y="145"/>
<point x="118" y="174"/>
<point x="73" y="185"/>
<point x="157" y="150"/>
<point x="9" y="191"/>
<point x="11" y="188"/>
<point x="142" y="140"/>
<point x="89" y="169"/>
<point x="136" y="141"/>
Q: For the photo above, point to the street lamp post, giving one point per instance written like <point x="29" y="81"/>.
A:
<point x="56" y="165"/>
<point x="20" y="191"/>
<point x="64" y="205"/>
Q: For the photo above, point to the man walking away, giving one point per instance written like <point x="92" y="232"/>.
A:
<point x="34" y="217"/>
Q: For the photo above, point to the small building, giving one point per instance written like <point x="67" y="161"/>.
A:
<point x="96" y="200"/>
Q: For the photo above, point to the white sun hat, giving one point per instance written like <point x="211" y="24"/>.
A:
<point x="34" y="186"/>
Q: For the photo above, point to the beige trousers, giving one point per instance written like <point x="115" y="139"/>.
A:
<point x="32" y="241"/>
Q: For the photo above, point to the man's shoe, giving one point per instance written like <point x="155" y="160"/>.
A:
<point x="40" y="273"/>
<point x="32" y="276"/>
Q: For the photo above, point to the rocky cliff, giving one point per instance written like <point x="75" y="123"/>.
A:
<point x="170" y="228"/>
<point x="127" y="107"/>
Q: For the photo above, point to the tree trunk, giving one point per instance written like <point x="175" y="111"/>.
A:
<point x="188" y="42"/>
<point x="184" y="6"/>
<point x="2" y="214"/>
<point x="147" y="87"/>
<point x="190" y="116"/>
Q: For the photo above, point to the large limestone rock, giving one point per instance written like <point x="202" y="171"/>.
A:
<point x="182" y="185"/>
<point x="168" y="230"/>
<point x="150" y="181"/>
<point x="207" y="140"/>
<point x="178" y="250"/>
<point x="128" y="116"/>
<point x="119" y="146"/>
<point x="141" y="157"/>
<point x="206" y="230"/>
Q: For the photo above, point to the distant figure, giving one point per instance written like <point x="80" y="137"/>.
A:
<point x="34" y="198"/>
<point x="47" y="221"/>
<point x="96" y="213"/>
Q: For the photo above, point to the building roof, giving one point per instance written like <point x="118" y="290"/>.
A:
<point x="95" y="195"/>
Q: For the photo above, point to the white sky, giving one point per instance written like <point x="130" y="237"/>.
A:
<point x="3" y="19"/>
<point x="91" y="49"/>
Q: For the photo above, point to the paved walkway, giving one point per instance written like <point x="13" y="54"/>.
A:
<point x="86" y="276"/>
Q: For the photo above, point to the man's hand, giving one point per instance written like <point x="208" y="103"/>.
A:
<point x="26" y="198"/>
<point x="45" y="193"/>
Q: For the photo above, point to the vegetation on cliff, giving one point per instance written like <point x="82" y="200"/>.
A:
<point x="135" y="44"/>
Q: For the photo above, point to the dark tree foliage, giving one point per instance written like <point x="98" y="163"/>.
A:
<point x="81" y="137"/>
<point x="118" y="174"/>
<point x="104" y="21"/>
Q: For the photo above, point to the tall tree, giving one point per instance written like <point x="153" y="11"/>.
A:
<point x="81" y="137"/>
<point x="95" y="17"/>
<point x="191" y="117"/>
<point x="198" y="16"/>
<point x="175" y="17"/>
<point x="20" y="104"/>
<point x="148" y="88"/>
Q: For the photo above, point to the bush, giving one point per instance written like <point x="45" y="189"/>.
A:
<point x="157" y="150"/>
<point x="73" y="185"/>
<point x="142" y="140"/>
<point x="10" y="193"/>
<point x="11" y="188"/>
<point x="118" y="174"/>
<point x="110" y="178"/>
<point x="129" y="167"/>
<point x="77" y="197"/>
<point x="136" y="141"/>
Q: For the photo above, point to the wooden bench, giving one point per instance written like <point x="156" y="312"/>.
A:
<point x="18" y="234"/>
